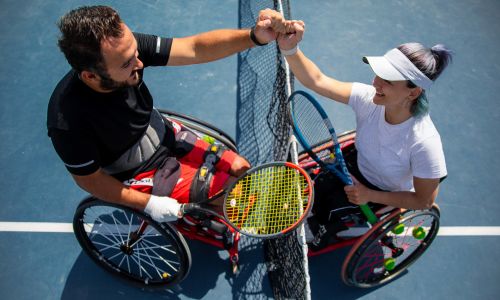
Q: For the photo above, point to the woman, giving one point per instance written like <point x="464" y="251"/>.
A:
<point x="399" y="153"/>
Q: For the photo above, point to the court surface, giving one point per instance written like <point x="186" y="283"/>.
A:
<point x="35" y="186"/>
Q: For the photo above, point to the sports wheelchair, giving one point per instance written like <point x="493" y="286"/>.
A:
<point x="382" y="251"/>
<point x="130" y="244"/>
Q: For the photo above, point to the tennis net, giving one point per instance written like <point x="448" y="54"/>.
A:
<point x="263" y="134"/>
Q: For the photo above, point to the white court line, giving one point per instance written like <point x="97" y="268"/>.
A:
<point x="68" y="227"/>
<point x="35" y="227"/>
<point x="469" y="230"/>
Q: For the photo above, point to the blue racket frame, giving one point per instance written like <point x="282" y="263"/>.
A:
<point x="339" y="167"/>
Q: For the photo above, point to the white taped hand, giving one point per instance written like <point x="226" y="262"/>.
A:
<point x="163" y="209"/>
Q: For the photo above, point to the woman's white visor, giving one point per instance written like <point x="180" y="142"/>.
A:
<point x="395" y="66"/>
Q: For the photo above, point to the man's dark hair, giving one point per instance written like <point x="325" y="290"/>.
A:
<point x="83" y="30"/>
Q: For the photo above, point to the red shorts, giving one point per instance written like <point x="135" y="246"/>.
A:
<point x="189" y="165"/>
<point x="181" y="190"/>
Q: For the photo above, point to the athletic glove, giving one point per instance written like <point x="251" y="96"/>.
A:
<point x="163" y="209"/>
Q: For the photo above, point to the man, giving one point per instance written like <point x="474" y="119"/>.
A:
<point x="102" y="122"/>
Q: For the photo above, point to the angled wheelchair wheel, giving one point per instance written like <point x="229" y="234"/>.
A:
<point x="202" y="128"/>
<point x="390" y="247"/>
<point x="130" y="244"/>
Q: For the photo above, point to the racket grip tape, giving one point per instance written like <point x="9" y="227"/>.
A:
<point x="367" y="211"/>
<point x="189" y="208"/>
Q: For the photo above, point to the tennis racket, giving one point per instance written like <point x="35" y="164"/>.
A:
<point x="267" y="201"/>
<point x="312" y="129"/>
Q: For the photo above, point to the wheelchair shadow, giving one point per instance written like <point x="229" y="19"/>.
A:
<point x="86" y="280"/>
<point x="251" y="282"/>
<point x="326" y="280"/>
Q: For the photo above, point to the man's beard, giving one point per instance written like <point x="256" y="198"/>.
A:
<point x="109" y="84"/>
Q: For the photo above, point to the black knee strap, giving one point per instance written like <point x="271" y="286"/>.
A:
<point x="198" y="192"/>
<point x="213" y="154"/>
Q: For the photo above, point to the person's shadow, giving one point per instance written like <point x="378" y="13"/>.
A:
<point x="326" y="280"/>
<point x="87" y="280"/>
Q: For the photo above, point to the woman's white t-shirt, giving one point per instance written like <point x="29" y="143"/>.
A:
<point x="389" y="156"/>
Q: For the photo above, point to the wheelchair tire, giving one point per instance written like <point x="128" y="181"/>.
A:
<point x="130" y="244"/>
<point x="385" y="251"/>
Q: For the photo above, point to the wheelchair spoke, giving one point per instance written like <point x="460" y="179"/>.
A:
<point x="368" y="266"/>
<point x="129" y="222"/>
<point x="155" y="247"/>
<point x="107" y="229"/>
<point x="145" y="235"/>
<point x="96" y="234"/>
<point x="128" y="264"/>
<point x="139" y="265"/>
<point x="166" y="247"/>
<point x="166" y="261"/>
<point x="117" y="229"/>
<point x="155" y="267"/>
<point x="157" y="256"/>
<point x="107" y="246"/>
<point x="124" y="258"/>
<point x="151" y="263"/>
<point x="119" y="253"/>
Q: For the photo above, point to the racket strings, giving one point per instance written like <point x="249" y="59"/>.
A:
<point x="269" y="201"/>
<point x="309" y="121"/>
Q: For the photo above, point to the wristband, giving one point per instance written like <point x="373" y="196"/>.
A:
<point x="290" y="51"/>
<point x="254" y="38"/>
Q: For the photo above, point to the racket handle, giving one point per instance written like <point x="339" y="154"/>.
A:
<point x="367" y="211"/>
<point x="190" y="207"/>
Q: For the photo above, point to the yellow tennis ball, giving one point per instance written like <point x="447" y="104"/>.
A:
<point x="164" y="275"/>
<point x="208" y="139"/>
<point x="389" y="264"/>
<point x="398" y="229"/>
<point x="418" y="233"/>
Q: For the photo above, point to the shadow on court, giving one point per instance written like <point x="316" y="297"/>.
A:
<point x="210" y="265"/>
<point x="326" y="281"/>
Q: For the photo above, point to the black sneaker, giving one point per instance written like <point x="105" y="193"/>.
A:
<point x="324" y="234"/>
<point x="313" y="224"/>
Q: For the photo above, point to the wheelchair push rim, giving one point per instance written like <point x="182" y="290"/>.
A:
<point x="389" y="248"/>
<point x="130" y="244"/>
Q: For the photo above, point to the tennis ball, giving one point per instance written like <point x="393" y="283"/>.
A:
<point x="389" y="264"/>
<point x="164" y="275"/>
<point x="208" y="139"/>
<point x="418" y="233"/>
<point x="398" y="229"/>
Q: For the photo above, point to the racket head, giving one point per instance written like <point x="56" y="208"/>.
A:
<point x="309" y="120"/>
<point x="313" y="128"/>
<point x="269" y="200"/>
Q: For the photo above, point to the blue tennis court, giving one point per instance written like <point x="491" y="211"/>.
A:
<point x="39" y="255"/>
